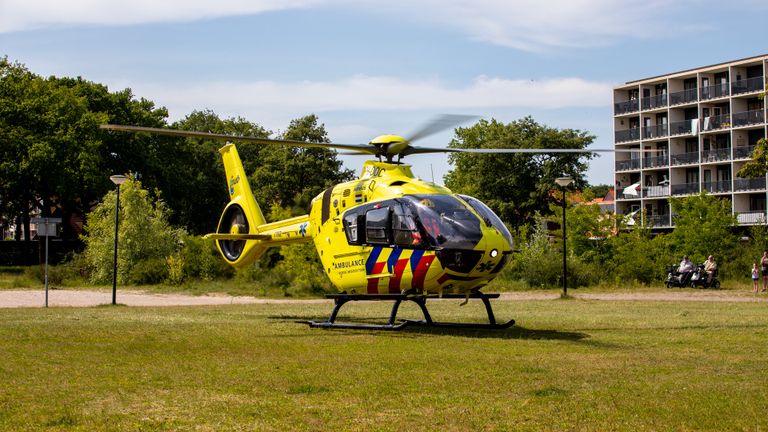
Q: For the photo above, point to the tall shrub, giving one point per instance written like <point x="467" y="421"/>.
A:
<point x="145" y="239"/>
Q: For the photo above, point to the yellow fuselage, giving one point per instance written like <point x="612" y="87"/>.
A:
<point x="381" y="265"/>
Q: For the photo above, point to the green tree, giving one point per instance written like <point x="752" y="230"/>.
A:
<point x="588" y="230"/>
<point x="145" y="239"/>
<point x="704" y="225"/>
<point x="53" y="156"/>
<point x="292" y="176"/>
<point x="758" y="166"/>
<point x="638" y="257"/>
<point x="48" y="143"/>
<point x="515" y="186"/>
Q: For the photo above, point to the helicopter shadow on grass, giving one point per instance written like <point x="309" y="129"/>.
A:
<point x="514" y="332"/>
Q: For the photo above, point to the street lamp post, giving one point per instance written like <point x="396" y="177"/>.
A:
<point x="118" y="180"/>
<point x="564" y="182"/>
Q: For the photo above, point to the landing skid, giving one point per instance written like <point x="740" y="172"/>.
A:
<point x="421" y="300"/>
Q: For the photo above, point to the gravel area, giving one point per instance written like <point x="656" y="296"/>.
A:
<point x="82" y="298"/>
<point x="85" y="298"/>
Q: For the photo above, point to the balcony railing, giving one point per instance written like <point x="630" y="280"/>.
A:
<point x="652" y="102"/>
<point x="624" y="165"/>
<point x="748" y="117"/>
<point x="655" y="191"/>
<point x="685" y="189"/>
<point x="680" y="128"/>
<point x="714" y="91"/>
<point x="717" y="186"/>
<point x="741" y="184"/>
<point x="622" y="195"/>
<point x="716" y="155"/>
<point x="752" y="217"/>
<point x="626" y="107"/>
<point x="653" y="162"/>
<point x="628" y="135"/>
<point x="743" y="152"/>
<point x="685" y="96"/>
<point x="685" y="158"/>
<point x="716" y="122"/>
<point x="659" y="221"/>
<point x="657" y="131"/>
<point x="747" y="85"/>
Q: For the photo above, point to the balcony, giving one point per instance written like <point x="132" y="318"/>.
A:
<point x="659" y="221"/>
<point x="685" y="96"/>
<point x="743" y="152"/>
<point x="680" y="128"/>
<point x="752" y="217"/>
<point x="622" y="196"/>
<point x="685" y="189"/>
<point x="626" y="165"/>
<point x="716" y="155"/>
<point x="716" y="122"/>
<point x="685" y="158"/>
<point x="747" y="118"/>
<point x="747" y="86"/>
<point x="653" y="162"/>
<point x="652" y="102"/>
<point x="628" y="135"/>
<point x="740" y="184"/>
<point x="656" y="191"/>
<point x="626" y="107"/>
<point x="714" y="91"/>
<point x="657" y="131"/>
<point x="717" y="186"/>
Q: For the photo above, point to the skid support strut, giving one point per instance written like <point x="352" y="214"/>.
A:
<point x="421" y="300"/>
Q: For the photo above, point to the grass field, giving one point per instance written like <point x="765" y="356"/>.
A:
<point x="568" y="365"/>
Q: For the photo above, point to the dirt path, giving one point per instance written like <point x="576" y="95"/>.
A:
<point x="82" y="298"/>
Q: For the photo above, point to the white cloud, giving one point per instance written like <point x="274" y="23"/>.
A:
<point x="531" y="25"/>
<point x="265" y="99"/>
<point x="18" y="15"/>
<point x="535" y="25"/>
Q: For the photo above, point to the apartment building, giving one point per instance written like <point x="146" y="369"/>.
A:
<point x="697" y="128"/>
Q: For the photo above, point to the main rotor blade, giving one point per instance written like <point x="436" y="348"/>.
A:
<point x="425" y="150"/>
<point x="363" y="148"/>
<point x="439" y="124"/>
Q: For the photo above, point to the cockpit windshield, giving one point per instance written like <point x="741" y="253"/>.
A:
<point x="489" y="217"/>
<point x="447" y="222"/>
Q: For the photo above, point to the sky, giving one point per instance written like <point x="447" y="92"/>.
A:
<point x="367" y="68"/>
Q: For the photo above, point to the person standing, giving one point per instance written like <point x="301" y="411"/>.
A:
<point x="755" y="277"/>
<point x="764" y="269"/>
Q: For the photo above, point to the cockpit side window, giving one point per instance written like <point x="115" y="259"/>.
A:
<point x="352" y="228"/>
<point x="377" y="224"/>
<point x="406" y="233"/>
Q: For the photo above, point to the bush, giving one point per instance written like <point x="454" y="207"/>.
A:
<point x="37" y="272"/>
<point x="147" y="272"/>
<point x="539" y="265"/>
<point x="201" y="259"/>
<point x="144" y="237"/>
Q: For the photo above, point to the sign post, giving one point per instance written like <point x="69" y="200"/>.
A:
<point x="46" y="227"/>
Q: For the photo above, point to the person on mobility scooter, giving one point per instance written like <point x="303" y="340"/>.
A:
<point x="705" y="275"/>
<point x="680" y="277"/>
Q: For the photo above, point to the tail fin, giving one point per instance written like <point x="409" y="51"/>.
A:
<point x="241" y="216"/>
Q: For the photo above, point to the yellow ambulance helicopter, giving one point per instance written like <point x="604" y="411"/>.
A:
<point x="387" y="235"/>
